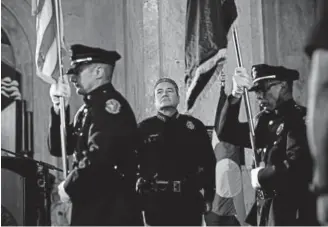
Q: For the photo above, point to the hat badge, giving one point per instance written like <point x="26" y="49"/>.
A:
<point x="280" y="128"/>
<point x="113" y="106"/>
<point x="190" y="125"/>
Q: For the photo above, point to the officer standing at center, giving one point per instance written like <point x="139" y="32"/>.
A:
<point x="176" y="162"/>
<point x="283" y="176"/>
<point x="101" y="185"/>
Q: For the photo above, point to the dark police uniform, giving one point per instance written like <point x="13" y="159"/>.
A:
<point x="319" y="40"/>
<point x="177" y="159"/>
<point x="281" y="144"/>
<point x="102" y="139"/>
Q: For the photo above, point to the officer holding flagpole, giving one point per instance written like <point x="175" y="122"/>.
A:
<point x="285" y="169"/>
<point x="102" y="139"/>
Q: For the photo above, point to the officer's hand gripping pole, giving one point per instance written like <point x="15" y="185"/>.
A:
<point x="246" y="99"/>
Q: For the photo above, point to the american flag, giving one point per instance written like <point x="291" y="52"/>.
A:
<point x="47" y="59"/>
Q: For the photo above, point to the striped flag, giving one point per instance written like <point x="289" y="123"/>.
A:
<point x="228" y="200"/>
<point x="208" y="23"/>
<point x="46" y="54"/>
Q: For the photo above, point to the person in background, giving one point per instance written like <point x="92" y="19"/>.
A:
<point x="176" y="162"/>
<point x="317" y="50"/>
<point x="284" y="167"/>
<point x="101" y="184"/>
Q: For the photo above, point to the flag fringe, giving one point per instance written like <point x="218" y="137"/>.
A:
<point x="217" y="60"/>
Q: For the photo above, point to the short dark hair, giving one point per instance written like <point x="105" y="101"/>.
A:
<point x="169" y="80"/>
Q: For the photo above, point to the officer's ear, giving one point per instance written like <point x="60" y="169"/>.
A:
<point x="285" y="85"/>
<point x="99" y="71"/>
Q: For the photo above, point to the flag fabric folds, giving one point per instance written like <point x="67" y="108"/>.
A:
<point x="229" y="184"/>
<point x="207" y="25"/>
<point x="46" y="55"/>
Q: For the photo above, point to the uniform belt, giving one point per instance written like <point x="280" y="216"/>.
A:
<point x="261" y="194"/>
<point x="168" y="186"/>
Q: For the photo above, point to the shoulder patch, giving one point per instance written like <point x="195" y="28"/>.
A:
<point x="190" y="125"/>
<point x="112" y="106"/>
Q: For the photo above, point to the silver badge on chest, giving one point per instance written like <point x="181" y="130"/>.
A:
<point x="279" y="129"/>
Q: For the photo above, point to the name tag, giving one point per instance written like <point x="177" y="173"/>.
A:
<point x="152" y="138"/>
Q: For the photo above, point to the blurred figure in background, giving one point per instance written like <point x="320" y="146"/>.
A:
<point x="317" y="50"/>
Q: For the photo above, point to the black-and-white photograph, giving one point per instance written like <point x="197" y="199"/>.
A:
<point x="164" y="112"/>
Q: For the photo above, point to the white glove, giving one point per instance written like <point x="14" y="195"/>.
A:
<point x="60" y="89"/>
<point x="322" y="209"/>
<point x="240" y="80"/>
<point x="254" y="177"/>
<point x="64" y="197"/>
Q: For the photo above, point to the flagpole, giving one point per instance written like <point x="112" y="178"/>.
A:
<point x="61" y="99"/>
<point x="246" y="96"/>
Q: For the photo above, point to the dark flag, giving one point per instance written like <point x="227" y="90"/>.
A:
<point x="207" y="25"/>
<point x="228" y="204"/>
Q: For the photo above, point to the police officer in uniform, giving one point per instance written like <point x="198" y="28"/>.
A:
<point x="317" y="49"/>
<point x="176" y="162"/>
<point x="285" y="169"/>
<point x="101" y="185"/>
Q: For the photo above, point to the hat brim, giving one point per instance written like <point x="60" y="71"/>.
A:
<point x="255" y="87"/>
<point x="73" y="69"/>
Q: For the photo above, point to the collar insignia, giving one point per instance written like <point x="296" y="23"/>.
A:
<point x="113" y="106"/>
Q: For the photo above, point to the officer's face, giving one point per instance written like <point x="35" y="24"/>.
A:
<point x="166" y="96"/>
<point x="83" y="79"/>
<point x="269" y="95"/>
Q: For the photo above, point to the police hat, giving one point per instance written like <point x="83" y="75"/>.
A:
<point x="82" y="54"/>
<point x="264" y="72"/>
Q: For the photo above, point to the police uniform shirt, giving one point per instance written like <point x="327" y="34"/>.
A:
<point x="280" y="143"/>
<point x="174" y="148"/>
<point x="103" y="139"/>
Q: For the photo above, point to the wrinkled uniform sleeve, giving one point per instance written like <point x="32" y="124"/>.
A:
<point x="111" y="141"/>
<point x="141" y="155"/>
<point x="296" y="169"/>
<point x="207" y="164"/>
<point x="230" y="129"/>
<point x="54" y="139"/>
